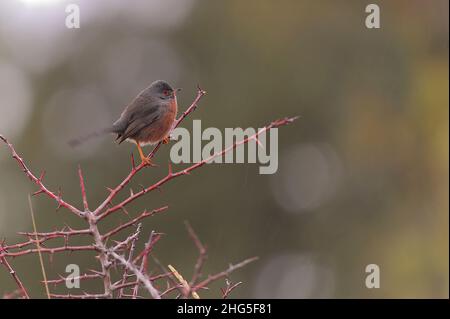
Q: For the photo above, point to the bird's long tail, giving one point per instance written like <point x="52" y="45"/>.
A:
<point x="82" y="139"/>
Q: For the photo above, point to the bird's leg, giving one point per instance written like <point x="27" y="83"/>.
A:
<point x="166" y="140"/>
<point x="144" y="158"/>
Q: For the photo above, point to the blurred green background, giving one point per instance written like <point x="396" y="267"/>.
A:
<point x="363" y="176"/>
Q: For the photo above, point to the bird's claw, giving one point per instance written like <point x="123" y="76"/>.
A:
<point x="148" y="162"/>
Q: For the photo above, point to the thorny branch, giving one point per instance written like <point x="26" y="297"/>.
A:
<point x="201" y="254"/>
<point x="171" y="175"/>
<point x="121" y="257"/>
<point x="13" y="273"/>
<point x="38" y="180"/>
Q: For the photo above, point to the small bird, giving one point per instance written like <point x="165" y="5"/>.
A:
<point x="148" y="119"/>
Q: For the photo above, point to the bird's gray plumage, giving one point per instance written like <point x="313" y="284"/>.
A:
<point x="141" y="112"/>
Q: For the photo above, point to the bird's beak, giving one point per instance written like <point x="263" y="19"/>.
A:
<point x="176" y="91"/>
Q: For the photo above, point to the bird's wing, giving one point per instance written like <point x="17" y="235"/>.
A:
<point x="140" y="118"/>
<point x="138" y="105"/>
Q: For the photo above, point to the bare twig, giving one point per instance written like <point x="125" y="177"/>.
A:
<point x="139" y="275"/>
<point x="229" y="288"/>
<point x="125" y="273"/>
<point x="134" y="221"/>
<point x="14" y="275"/>
<point x="171" y="175"/>
<point x="83" y="189"/>
<point x="47" y="250"/>
<point x="201" y="254"/>
<point x="81" y="277"/>
<point x="82" y="296"/>
<point x="103" y="256"/>
<point x="62" y="233"/>
<point x="224" y="273"/>
<point x="38" y="181"/>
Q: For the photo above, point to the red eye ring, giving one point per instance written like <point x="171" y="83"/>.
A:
<point x="166" y="92"/>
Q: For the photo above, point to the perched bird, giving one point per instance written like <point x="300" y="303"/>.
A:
<point x="148" y="119"/>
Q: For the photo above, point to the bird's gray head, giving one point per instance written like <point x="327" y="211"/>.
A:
<point x="160" y="90"/>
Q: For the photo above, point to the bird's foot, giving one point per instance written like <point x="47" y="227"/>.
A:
<point x="147" y="161"/>
<point x="166" y="140"/>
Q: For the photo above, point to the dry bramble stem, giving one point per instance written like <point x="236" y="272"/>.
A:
<point x="120" y="257"/>
<point x="38" y="181"/>
<point x="201" y="254"/>
<point x="224" y="273"/>
<point x="171" y="175"/>
<point x="229" y="288"/>
<point x="14" y="275"/>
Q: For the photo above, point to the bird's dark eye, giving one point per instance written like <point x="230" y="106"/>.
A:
<point x="166" y="92"/>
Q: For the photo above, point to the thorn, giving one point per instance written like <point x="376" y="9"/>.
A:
<point x="37" y="192"/>
<point x="42" y="176"/>
<point x="202" y="92"/>
<point x="95" y="272"/>
<point x="59" y="198"/>
<point x="143" y="188"/>
<point x="256" y="138"/>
